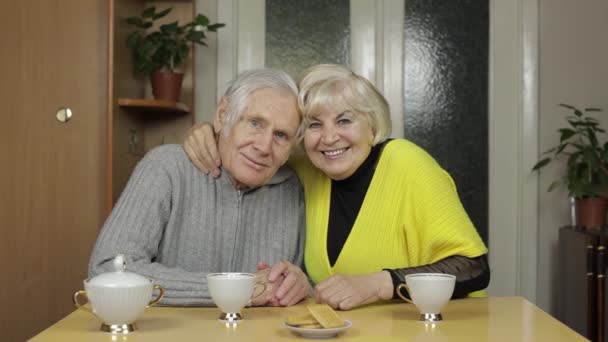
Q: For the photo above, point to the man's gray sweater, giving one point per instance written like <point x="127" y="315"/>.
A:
<point x="175" y="225"/>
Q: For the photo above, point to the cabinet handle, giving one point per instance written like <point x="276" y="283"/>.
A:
<point x="590" y="260"/>
<point x="601" y="268"/>
<point x="63" y="115"/>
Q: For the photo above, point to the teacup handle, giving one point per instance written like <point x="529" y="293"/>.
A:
<point x="256" y="285"/>
<point x="160" y="295"/>
<point x="404" y="286"/>
<point x="77" y="303"/>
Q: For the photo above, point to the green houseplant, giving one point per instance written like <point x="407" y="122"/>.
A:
<point x="586" y="176"/>
<point x="159" y="52"/>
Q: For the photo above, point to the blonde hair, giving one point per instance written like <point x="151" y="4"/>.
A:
<point x="337" y="86"/>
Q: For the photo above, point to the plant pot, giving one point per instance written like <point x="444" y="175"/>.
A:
<point x="591" y="211"/>
<point x="167" y="85"/>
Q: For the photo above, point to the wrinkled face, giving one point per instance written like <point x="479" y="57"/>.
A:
<point x="261" y="139"/>
<point x="337" y="141"/>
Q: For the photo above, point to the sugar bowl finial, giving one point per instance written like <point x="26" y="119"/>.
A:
<point x="120" y="263"/>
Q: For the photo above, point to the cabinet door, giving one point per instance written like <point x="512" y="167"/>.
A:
<point x="576" y="281"/>
<point x="52" y="173"/>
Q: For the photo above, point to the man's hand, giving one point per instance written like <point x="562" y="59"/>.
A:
<point x="267" y="298"/>
<point x="345" y="292"/>
<point x="201" y="148"/>
<point x="293" y="285"/>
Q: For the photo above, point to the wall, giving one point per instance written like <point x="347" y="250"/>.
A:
<point x="573" y="52"/>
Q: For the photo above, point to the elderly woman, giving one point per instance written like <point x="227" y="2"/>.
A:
<point x="377" y="209"/>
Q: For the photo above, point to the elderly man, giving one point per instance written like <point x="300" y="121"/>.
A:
<point x="175" y="225"/>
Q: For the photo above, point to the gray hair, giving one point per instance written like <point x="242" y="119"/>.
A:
<point x="338" y="87"/>
<point x="247" y="83"/>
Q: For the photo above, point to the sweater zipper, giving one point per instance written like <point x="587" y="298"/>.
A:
<point x="239" y="198"/>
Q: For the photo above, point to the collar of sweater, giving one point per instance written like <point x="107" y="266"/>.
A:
<point x="283" y="174"/>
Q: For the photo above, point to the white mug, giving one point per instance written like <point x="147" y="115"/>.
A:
<point x="430" y="292"/>
<point x="231" y="291"/>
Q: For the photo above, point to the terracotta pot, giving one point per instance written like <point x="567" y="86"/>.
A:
<point x="591" y="211"/>
<point x="167" y="85"/>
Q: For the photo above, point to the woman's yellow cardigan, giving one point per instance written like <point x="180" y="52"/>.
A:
<point x="411" y="216"/>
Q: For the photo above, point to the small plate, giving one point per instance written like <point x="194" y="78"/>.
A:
<point x="319" y="332"/>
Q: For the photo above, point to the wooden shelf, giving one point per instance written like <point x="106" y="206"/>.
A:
<point x="151" y="105"/>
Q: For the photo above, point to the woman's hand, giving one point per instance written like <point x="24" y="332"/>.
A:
<point x="201" y="148"/>
<point x="345" y="292"/>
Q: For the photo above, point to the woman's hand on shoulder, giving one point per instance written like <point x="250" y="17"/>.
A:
<point x="201" y="148"/>
<point x="345" y="292"/>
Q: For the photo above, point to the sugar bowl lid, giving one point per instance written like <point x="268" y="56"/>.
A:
<point x="120" y="277"/>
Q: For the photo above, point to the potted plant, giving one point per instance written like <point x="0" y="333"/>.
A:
<point x="159" y="52"/>
<point x="586" y="176"/>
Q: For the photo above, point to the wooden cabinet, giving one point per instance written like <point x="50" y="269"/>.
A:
<point x="58" y="180"/>
<point x="52" y="178"/>
<point x="582" y="283"/>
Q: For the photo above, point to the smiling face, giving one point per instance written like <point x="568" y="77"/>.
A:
<point x="260" y="140"/>
<point x="337" y="141"/>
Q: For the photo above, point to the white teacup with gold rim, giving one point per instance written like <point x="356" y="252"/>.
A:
<point x="118" y="298"/>
<point x="430" y="292"/>
<point x="231" y="291"/>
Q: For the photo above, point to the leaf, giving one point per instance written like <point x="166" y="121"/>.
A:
<point x="169" y="28"/>
<point x="133" y="39"/>
<point x="195" y="36"/>
<point x="566" y="134"/>
<point x="162" y="13"/>
<point x="590" y="119"/>
<point x="136" y="22"/>
<point x="593" y="109"/>
<point x="214" y="27"/>
<point x="149" y="12"/>
<point x="567" y="106"/>
<point x="201" y="20"/>
<point x="541" y="163"/>
<point x="561" y="148"/>
<point x="592" y="137"/>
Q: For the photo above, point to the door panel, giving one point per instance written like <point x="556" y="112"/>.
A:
<point x="52" y="175"/>
<point x="446" y="93"/>
<point x="303" y="33"/>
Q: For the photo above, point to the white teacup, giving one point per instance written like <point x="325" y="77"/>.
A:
<point x="430" y="292"/>
<point x="231" y="291"/>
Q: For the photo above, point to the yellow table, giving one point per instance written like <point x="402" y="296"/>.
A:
<point x="471" y="319"/>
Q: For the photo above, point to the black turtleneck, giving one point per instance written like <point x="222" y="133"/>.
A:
<point x="347" y="196"/>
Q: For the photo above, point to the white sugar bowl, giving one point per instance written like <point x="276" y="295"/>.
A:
<point x="118" y="298"/>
